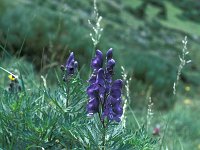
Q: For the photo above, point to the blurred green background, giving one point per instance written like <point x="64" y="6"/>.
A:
<point x="146" y="36"/>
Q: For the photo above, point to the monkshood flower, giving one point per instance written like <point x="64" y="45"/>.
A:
<point x="113" y="109"/>
<point x="70" y="67"/>
<point x="96" y="64"/>
<point x="104" y="94"/>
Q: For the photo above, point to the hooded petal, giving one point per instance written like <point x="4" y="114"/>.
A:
<point x="114" y="101"/>
<point x="118" y="110"/>
<point x="92" y="79"/>
<point x="117" y="84"/>
<point x="92" y="106"/>
<point x="100" y="77"/>
<point x="116" y="88"/>
<point x="70" y="59"/>
<point x="110" y="65"/>
<point x="115" y="93"/>
<point x="100" y="81"/>
<point x="97" y="61"/>
<point x="71" y="65"/>
<point x="109" y="54"/>
<point x="92" y="90"/>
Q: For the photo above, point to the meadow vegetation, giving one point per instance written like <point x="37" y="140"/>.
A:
<point x="36" y="38"/>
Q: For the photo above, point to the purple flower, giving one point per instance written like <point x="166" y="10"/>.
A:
<point x="104" y="94"/>
<point x="109" y="54"/>
<point x="100" y="82"/>
<point x="96" y="64"/>
<point x="71" y="64"/>
<point x="97" y="61"/>
<point x="70" y="67"/>
<point x="113" y="109"/>
<point x="93" y="104"/>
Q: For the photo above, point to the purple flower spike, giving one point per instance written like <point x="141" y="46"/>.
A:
<point x="113" y="106"/>
<point x="71" y="64"/>
<point x="109" y="67"/>
<point x="104" y="94"/>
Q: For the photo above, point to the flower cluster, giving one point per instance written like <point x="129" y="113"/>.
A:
<point x="70" y="67"/>
<point x="104" y="94"/>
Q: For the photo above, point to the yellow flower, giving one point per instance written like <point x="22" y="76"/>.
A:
<point x="11" y="77"/>
<point x="187" y="102"/>
<point x="187" y="88"/>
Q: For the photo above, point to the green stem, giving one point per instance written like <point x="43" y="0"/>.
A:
<point x="67" y="98"/>
<point x="104" y="136"/>
<point x="104" y="132"/>
<point x="135" y="118"/>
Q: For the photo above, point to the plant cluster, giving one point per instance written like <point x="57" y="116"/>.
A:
<point x="42" y="118"/>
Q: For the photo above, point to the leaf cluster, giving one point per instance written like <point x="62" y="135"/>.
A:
<point x="42" y="118"/>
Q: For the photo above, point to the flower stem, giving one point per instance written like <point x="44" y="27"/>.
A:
<point x="67" y="98"/>
<point x="104" y="136"/>
<point x="104" y="132"/>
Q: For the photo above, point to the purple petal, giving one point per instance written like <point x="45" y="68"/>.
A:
<point x="100" y="77"/>
<point x="114" y="101"/>
<point x="117" y="84"/>
<point x="110" y="65"/>
<point x="97" y="61"/>
<point x="118" y="110"/>
<point x="99" y="54"/>
<point x="92" y="90"/>
<point x="93" y="106"/>
<point x="115" y="93"/>
<point x="70" y="59"/>
<point x="92" y="79"/>
<point x="109" y="54"/>
<point x="71" y="65"/>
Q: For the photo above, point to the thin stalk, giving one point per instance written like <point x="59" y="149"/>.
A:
<point x="67" y="91"/>
<point x="104" y="136"/>
<point x="9" y="72"/>
<point x="104" y="131"/>
<point x="136" y="120"/>
<point x="164" y="134"/>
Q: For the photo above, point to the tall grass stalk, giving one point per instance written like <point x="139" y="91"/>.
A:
<point x="149" y="113"/>
<point x="183" y="62"/>
<point x="96" y="27"/>
<point x="9" y="72"/>
<point x="127" y="99"/>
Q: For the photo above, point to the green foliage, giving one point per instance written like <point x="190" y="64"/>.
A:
<point x="190" y="9"/>
<point x="41" y="117"/>
<point x="145" y="41"/>
<point x="159" y="76"/>
<point x="37" y="117"/>
<point x="45" y="30"/>
<point x="50" y="29"/>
